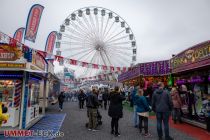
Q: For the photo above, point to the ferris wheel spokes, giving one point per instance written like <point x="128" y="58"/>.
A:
<point x="113" y="40"/>
<point x="85" y="36"/>
<point x="79" y="53"/>
<point x="108" y="30"/>
<point x="88" y="34"/>
<point x="85" y="54"/>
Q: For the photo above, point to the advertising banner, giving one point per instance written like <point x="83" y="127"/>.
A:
<point x="33" y="21"/>
<point x="18" y="35"/>
<point x="50" y="42"/>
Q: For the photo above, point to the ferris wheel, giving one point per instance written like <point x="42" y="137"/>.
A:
<point x="99" y="36"/>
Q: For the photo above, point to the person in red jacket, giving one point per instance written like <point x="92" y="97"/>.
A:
<point x="176" y="105"/>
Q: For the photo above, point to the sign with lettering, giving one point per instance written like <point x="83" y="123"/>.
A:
<point x="157" y="68"/>
<point x="12" y="65"/>
<point x="9" y="53"/>
<point x="38" y="60"/>
<point x="194" y="57"/>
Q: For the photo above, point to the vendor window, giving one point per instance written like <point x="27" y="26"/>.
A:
<point x="34" y="88"/>
<point x="10" y="91"/>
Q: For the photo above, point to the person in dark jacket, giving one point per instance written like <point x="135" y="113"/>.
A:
<point x="148" y="93"/>
<point x="61" y="98"/>
<point x="162" y="106"/>
<point x="143" y="109"/>
<point x="105" y="98"/>
<point x="81" y="98"/>
<point x="92" y="106"/>
<point x="190" y="98"/>
<point x="115" y="110"/>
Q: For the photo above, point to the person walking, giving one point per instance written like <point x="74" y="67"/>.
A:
<point x="133" y="96"/>
<point x="92" y="106"/>
<point x="143" y="112"/>
<point x="105" y="98"/>
<point x="162" y="106"/>
<point x="61" y="98"/>
<point x="115" y="110"/>
<point x="81" y="98"/>
<point x="176" y="113"/>
<point x="100" y="98"/>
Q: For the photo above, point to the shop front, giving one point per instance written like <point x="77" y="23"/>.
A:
<point x="192" y="69"/>
<point x="20" y="80"/>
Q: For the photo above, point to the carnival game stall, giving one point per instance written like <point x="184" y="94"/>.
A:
<point x="151" y="72"/>
<point x="131" y="77"/>
<point x="11" y="61"/>
<point x="192" y="69"/>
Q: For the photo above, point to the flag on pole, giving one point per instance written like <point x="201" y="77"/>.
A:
<point x="33" y="21"/>
<point x="49" y="46"/>
<point x="18" y="35"/>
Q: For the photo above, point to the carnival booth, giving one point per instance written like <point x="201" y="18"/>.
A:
<point x="192" y="69"/>
<point x="151" y="72"/>
<point x="22" y="72"/>
<point x="52" y="87"/>
<point x="130" y="77"/>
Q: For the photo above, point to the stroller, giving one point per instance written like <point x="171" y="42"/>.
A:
<point x="99" y="119"/>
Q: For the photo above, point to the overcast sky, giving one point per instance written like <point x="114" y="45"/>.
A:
<point x="161" y="27"/>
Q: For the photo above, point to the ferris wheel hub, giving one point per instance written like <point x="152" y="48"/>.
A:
<point x="99" y="46"/>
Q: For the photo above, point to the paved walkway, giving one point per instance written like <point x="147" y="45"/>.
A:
<point x="74" y="126"/>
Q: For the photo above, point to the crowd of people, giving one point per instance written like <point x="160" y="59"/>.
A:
<point x="159" y="99"/>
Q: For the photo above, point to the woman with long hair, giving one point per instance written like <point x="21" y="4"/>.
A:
<point x="177" y="103"/>
<point x="115" y="110"/>
<point x="143" y="112"/>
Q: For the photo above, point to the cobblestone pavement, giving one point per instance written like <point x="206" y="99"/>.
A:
<point x="74" y="126"/>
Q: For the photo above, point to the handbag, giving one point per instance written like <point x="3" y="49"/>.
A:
<point x="184" y="109"/>
<point x="144" y="114"/>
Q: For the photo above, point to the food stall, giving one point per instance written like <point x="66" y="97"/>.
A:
<point x="192" y="69"/>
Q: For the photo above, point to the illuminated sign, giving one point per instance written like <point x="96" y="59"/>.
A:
<point x="156" y="68"/>
<point x="194" y="57"/>
<point x="12" y="65"/>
